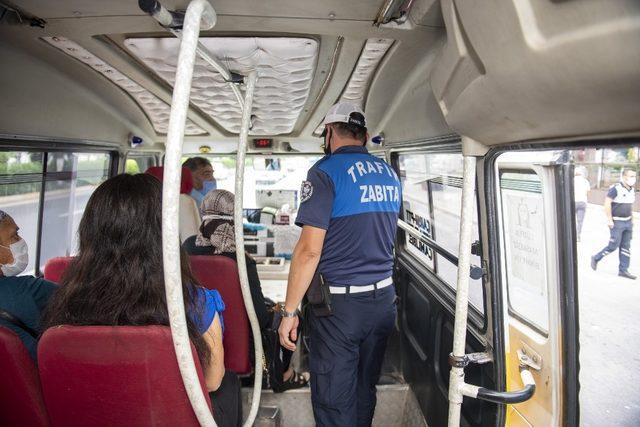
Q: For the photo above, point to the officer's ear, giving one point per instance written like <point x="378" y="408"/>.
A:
<point x="366" y="138"/>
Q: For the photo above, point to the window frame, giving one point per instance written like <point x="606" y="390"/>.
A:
<point x="439" y="286"/>
<point x="46" y="147"/>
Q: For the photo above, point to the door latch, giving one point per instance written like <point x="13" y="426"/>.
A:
<point x="530" y="359"/>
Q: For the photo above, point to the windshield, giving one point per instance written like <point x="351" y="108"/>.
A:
<point x="270" y="181"/>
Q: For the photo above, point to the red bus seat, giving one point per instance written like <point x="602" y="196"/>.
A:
<point x="213" y="272"/>
<point x="186" y="178"/>
<point x="55" y="268"/>
<point x="113" y="376"/>
<point x="21" y="402"/>
<point x="221" y="273"/>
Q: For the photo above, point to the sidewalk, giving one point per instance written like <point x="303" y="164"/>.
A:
<point x="609" y="329"/>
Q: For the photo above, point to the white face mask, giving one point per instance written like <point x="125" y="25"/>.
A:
<point x="631" y="182"/>
<point x="20" y="253"/>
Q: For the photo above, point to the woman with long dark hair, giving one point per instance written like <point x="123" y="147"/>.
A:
<point x="117" y="279"/>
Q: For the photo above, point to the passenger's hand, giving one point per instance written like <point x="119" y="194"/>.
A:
<point x="610" y="224"/>
<point x="288" y="332"/>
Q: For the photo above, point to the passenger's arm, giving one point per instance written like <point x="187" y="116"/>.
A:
<point x="607" y="211"/>
<point x="304" y="262"/>
<point x="215" y="371"/>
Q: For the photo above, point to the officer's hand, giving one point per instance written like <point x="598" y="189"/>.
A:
<point x="288" y="332"/>
<point x="610" y="224"/>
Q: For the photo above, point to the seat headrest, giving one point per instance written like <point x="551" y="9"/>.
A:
<point x="186" y="183"/>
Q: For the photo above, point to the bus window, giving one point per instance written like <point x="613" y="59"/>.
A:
<point x="138" y="163"/>
<point x="71" y="178"/>
<point x="432" y="194"/>
<point x="525" y="253"/>
<point x="20" y="185"/>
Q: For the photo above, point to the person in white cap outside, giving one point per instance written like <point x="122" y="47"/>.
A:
<point x="348" y="213"/>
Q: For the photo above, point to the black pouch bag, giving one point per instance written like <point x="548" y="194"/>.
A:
<point x="319" y="297"/>
<point x="276" y="359"/>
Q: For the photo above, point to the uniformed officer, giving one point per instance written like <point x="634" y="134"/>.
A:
<point x="348" y="214"/>
<point x="618" y="206"/>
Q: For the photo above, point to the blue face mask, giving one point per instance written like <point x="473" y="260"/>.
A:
<point x="208" y="186"/>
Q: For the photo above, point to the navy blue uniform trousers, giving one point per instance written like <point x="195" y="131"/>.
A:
<point x="346" y="354"/>
<point x="620" y="239"/>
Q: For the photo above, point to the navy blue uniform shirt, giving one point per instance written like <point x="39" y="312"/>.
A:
<point x="622" y="201"/>
<point x="25" y="297"/>
<point x="355" y="197"/>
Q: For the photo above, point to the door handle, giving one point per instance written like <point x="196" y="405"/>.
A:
<point x="526" y="363"/>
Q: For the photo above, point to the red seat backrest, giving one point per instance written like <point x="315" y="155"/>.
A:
<point x="21" y="401"/>
<point x="55" y="268"/>
<point x="213" y="272"/>
<point x="221" y="273"/>
<point x="186" y="179"/>
<point x="113" y="376"/>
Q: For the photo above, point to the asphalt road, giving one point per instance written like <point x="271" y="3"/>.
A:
<point x="609" y="330"/>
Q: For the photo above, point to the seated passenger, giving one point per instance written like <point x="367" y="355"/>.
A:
<point x="216" y="237"/>
<point x="117" y="279"/>
<point x="203" y="180"/>
<point x="22" y="298"/>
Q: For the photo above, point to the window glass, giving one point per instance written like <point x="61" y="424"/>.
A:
<point x="20" y="184"/>
<point x="524" y="245"/>
<point x="432" y="196"/>
<point x="269" y="181"/>
<point x="71" y="178"/>
<point x="604" y="166"/>
<point x="136" y="163"/>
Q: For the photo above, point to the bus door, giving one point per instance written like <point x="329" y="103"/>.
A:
<point x="537" y="275"/>
<point x="426" y="270"/>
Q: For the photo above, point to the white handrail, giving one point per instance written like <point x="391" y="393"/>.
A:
<point x="456" y="378"/>
<point x="198" y="10"/>
<point x="240" y="255"/>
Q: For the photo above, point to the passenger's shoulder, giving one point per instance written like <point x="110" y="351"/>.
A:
<point x="212" y="299"/>
<point x="190" y="247"/>
<point x="27" y="282"/>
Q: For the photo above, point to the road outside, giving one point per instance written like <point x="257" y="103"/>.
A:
<point x="609" y="329"/>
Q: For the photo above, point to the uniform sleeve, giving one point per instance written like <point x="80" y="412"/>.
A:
<point x="612" y="193"/>
<point x="210" y="303"/>
<point x="316" y="200"/>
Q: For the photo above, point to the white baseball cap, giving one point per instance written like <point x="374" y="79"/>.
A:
<point x="345" y="112"/>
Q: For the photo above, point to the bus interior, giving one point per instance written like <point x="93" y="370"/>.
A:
<point x="495" y="103"/>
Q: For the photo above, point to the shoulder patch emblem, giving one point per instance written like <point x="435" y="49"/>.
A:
<point x="306" y="191"/>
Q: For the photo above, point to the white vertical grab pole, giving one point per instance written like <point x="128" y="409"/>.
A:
<point x="197" y="10"/>
<point x="456" y="378"/>
<point x="240" y="255"/>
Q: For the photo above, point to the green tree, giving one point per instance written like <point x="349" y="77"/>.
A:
<point x="131" y="167"/>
